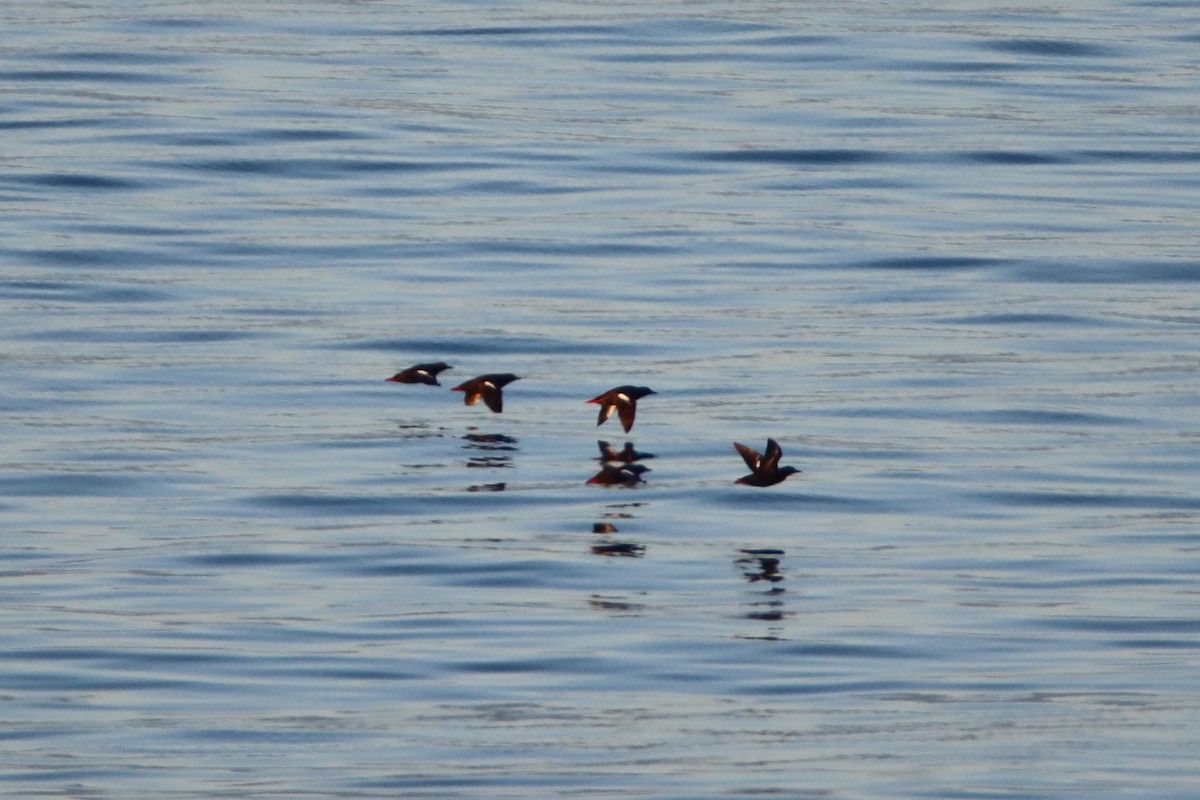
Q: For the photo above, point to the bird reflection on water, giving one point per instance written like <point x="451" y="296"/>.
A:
<point x="610" y="547"/>
<point x="488" y="487"/>
<point x="627" y="455"/>
<point x="628" y="475"/>
<point x="763" y="566"/>
<point x="494" y="449"/>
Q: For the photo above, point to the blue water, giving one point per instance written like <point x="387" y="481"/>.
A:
<point x="946" y="254"/>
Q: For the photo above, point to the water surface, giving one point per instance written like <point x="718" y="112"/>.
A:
<point x="944" y="253"/>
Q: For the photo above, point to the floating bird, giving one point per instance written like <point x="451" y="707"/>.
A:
<point x="765" y="469"/>
<point x="623" y="400"/>
<point x="487" y="388"/>
<point x="627" y="475"/>
<point x="421" y="373"/>
<point x="628" y="455"/>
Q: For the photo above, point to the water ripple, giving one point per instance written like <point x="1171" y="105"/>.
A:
<point x="1093" y="500"/>
<point x="947" y="252"/>
<point x="791" y="156"/>
<point x="1062" y="48"/>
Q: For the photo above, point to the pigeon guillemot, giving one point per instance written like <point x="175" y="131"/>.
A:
<point x="627" y="455"/>
<point x="627" y="475"/>
<point x="487" y="388"/>
<point x="623" y="400"/>
<point x="421" y="373"/>
<point x="765" y="469"/>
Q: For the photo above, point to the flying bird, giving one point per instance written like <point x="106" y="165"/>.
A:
<point x="421" y="373"/>
<point x="623" y="400"/>
<point x="765" y="469"/>
<point x="486" y="388"/>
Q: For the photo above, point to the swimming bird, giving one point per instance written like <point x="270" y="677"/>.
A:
<point x="628" y="455"/>
<point x="627" y="475"/>
<point x="487" y="388"/>
<point x="421" y="373"/>
<point x="623" y="400"/>
<point x="765" y="469"/>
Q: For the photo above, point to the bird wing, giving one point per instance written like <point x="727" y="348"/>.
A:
<point x="626" y="409"/>
<point x="607" y="408"/>
<point x="749" y="454"/>
<point x="770" y="459"/>
<point x="492" y="396"/>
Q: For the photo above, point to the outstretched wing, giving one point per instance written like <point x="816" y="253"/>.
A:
<point x="770" y="459"/>
<point x="750" y="455"/>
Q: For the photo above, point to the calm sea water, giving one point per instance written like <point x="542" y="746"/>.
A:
<point x="945" y="253"/>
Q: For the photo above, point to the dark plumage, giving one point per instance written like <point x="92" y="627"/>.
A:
<point x="421" y="373"/>
<point x="627" y="455"/>
<point x="486" y="388"/>
<point x="765" y="469"/>
<point x="623" y="400"/>
<point x="627" y="475"/>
